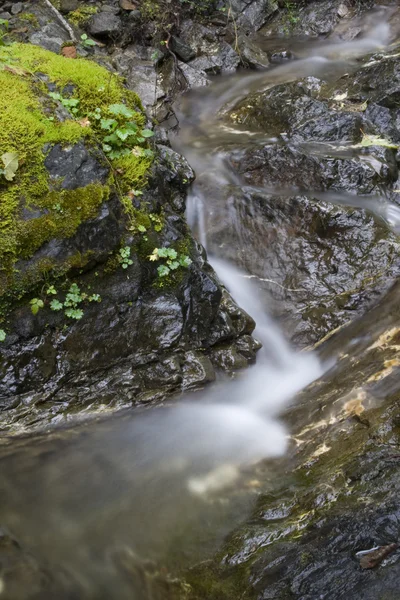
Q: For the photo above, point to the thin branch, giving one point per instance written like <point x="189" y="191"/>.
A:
<point x="61" y="19"/>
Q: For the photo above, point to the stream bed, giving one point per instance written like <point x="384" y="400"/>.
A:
<point x="266" y="484"/>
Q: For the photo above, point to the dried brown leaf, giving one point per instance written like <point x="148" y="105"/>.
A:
<point x="69" y="51"/>
<point x="127" y="5"/>
<point x="84" y="122"/>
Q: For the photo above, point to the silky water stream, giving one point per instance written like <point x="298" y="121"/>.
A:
<point x="161" y="490"/>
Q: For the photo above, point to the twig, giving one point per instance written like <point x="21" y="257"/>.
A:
<point x="60" y="18"/>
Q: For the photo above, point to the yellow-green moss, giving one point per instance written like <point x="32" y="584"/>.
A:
<point x="67" y="209"/>
<point x="25" y="129"/>
<point x="30" y="127"/>
<point x="134" y="171"/>
<point x="81" y="15"/>
<point x="93" y="84"/>
<point x="29" y="18"/>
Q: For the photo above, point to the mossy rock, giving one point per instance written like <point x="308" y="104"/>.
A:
<point x="41" y="202"/>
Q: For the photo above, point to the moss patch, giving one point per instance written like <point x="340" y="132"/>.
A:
<point x="30" y="125"/>
<point x="81" y="15"/>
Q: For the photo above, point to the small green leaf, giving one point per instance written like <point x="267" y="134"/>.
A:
<point x="51" y="291"/>
<point x="123" y="134"/>
<point x="107" y="123"/>
<point x="162" y="252"/>
<point x="74" y="313"/>
<point x="36" y="304"/>
<point x="55" y="95"/>
<point x="121" y="109"/>
<point x="163" y="270"/>
<point x="185" y="261"/>
<point x="147" y="133"/>
<point x="3" y="335"/>
<point x="56" y="305"/>
<point x="142" y="228"/>
<point x="172" y="254"/>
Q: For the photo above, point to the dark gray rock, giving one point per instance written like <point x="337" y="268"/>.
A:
<point x="74" y="166"/>
<point x="50" y="36"/>
<point x="104" y="25"/>
<point x="254" y="13"/>
<point x="197" y="370"/>
<point x="17" y="7"/>
<point x="67" y="6"/>
<point x="228" y="359"/>
<point x="182" y="50"/>
<point x="213" y="56"/>
<point x="251" y="54"/>
<point x="140" y="74"/>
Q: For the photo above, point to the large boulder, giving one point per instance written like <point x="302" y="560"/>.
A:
<point x="85" y="298"/>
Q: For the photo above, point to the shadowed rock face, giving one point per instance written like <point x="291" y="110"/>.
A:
<point x="318" y="261"/>
<point x="142" y="342"/>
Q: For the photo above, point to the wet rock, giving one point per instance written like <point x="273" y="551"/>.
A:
<point x="50" y="36"/>
<point x="16" y="8"/>
<point x="213" y="56"/>
<point x="197" y="370"/>
<point x="222" y="59"/>
<point x="194" y="77"/>
<point x="104" y="24"/>
<point x="140" y="75"/>
<point x="73" y="167"/>
<point x="182" y="50"/>
<point x="67" y="6"/>
<point x="251" y="54"/>
<point x="228" y="359"/>
<point x="254" y="13"/>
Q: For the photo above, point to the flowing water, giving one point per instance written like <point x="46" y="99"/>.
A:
<point x="168" y="485"/>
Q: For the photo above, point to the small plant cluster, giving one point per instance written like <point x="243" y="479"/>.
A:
<point x="71" y="305"/>
<point x="124" y="257"/>
<point x="172" y="260"/>
<point x="86" y="41"/>
<point x="120" y="134"/>
<point x="70" y="104"/>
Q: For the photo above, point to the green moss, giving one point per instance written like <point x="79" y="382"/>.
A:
<point x="29" y="18"/>
<point x="25" y="129"/>
<point x="81" y="15"/>
<point x="134" y="171"/>
<point x="67" y="209"/>
<point x="93" y="84"/>
<point x="29" y="126"/>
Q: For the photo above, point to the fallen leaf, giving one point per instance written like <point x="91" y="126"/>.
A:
<point x="10" y="161"/>
<point x="68" y="51"/>
<point x="15" y="70"/>
<point x="84" y="122"/>
<point x="375" y="140"/>
<point x="375" y="557"/>
<point x="20" y="30"/>
<point x="127" y="5"/>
